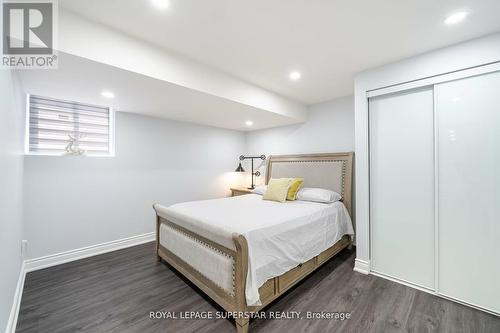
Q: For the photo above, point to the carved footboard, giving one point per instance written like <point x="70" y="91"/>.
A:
<point x="232" y="298"/>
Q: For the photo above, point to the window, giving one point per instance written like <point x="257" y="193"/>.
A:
<point x="56" y="127"/>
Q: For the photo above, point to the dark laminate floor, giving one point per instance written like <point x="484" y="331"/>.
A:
<point x="115" y="292"/>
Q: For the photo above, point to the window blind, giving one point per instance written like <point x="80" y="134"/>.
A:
<point x="53" y="124"/>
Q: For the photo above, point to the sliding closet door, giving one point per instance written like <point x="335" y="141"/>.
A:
<point x="468" y="118"/>
<point x="402" y="186"/>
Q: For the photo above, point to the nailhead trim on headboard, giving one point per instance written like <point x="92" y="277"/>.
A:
<point x="344" y="162"/>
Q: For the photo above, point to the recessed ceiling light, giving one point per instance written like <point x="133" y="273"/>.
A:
<point x="456" y="18"/>
<point x="294" y="76"/>
<point x="107" y="94"/>
<point x="161" y="4"/>
<point x="249" y="123"/>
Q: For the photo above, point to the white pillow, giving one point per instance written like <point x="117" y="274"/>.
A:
<point x="260" y="190"/>
<point x="318" y="195"/>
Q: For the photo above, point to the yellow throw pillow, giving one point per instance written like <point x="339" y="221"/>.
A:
<point x="277" y="189"/>
<point x="294" y="188"/>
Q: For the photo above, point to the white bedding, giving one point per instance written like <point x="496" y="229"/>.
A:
<point x="280" y="235"/>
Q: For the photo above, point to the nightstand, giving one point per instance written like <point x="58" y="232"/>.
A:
<point x="239" y="191"/>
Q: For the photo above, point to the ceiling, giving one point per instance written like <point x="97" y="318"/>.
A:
<point x="83" y="80"/>
<point x="328" y="41"/>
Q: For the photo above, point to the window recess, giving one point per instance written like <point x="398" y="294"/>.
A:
<point x="56" y="127"/>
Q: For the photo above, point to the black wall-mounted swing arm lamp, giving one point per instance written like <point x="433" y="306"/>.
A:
<point x="248" y="157"/>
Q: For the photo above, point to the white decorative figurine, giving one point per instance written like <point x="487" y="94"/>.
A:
<point x="72" y="146"/>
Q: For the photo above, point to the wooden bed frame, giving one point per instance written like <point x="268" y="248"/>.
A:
<point x="275" y="287"/>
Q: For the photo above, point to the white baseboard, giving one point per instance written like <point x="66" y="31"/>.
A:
<point x="64" y="257"/>
<point x="362" y="266"/>
<point x="14" y="311"/>
<point x="84" y="252"/>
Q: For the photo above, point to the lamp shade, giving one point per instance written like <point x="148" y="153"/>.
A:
<point x="239" y="168"/>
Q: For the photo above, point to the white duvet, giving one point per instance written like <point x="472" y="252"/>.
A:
<point x="280" y="236"/>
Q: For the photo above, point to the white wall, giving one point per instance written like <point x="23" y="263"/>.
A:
<point x="11" y="184"/>
<point x="481" y="51"/>
<point x="73" y="202"/>
<point x="329" y="128"/>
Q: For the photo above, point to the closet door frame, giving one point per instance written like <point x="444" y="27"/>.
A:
<point x="407" y="86"/>
<point x="434" y="174"/>
<point x="434" y="80"/>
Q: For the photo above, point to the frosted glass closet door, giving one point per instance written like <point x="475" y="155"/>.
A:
<point x="468" y="114"/>
<point x="402" y="186"/>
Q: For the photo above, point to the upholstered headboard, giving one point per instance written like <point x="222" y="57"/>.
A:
<point x="330" y="171"/>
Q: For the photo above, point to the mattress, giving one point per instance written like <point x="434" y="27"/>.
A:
<point x="280" y="236"/>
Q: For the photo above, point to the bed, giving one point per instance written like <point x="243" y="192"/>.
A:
<point x="243" y="251"/>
